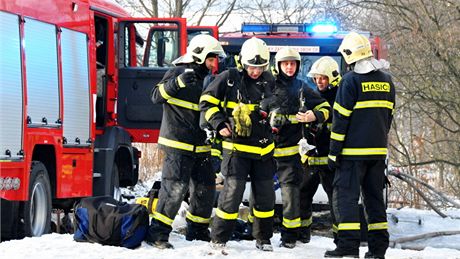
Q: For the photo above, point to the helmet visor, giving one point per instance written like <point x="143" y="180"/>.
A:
<point x="258" y="67"/>
<point x="257" y="61"/>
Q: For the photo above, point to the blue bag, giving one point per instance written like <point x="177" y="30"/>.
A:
<point x="107" y="221"/>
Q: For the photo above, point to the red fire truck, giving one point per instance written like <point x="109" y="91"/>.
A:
<point x="75" y="82"/>
<point x="312" y="40"/>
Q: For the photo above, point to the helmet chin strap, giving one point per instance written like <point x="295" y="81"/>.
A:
<point x="288" y="78"/>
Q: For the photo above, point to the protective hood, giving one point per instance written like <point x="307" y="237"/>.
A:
<point x="367" y="65"/>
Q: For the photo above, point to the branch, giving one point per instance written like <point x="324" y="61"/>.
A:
<point x="442" y="195"/>
<point x="433" y="161"/>
<point x="227" y="13"/>
<point x="204" y="10"/>
<point x="429" y="203"/>
<point x="150" y="12"/>
<point x="422" y="236"/>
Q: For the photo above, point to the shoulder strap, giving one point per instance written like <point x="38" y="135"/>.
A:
<point x="301" y="94"/>
<point x="232" y="76"/>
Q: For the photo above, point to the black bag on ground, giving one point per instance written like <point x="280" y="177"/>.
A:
<point x="107" y="221"/>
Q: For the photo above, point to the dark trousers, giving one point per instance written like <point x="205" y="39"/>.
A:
<point x="236" y="170"/>
<point x="312" y="177"/>
<point x="289" y="171"/>
<point x="182" y="173"/>
<point x="368" y="177"/>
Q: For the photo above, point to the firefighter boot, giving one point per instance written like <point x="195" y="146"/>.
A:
<point x="370" y="255"/>
<point x="161" y="244"/>
<point x="304" y="235"/>
<point x="340" y="252"/>
<point x="158" y="235"/>
<point x="288" y="237"/>
<point x="197" y="231"/>
<point x="264" y="245"/>
<point x="217" y="245"/>
<point x="334" y="234"/>
<point x="288" y="244"/>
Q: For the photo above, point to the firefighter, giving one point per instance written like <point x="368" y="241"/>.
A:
<point x="232" y="105"/>
<point x="363" y="111"/>
<point x="325" y="74"/>
<point x="294" y="102"/>
<point x="186" y="164"/>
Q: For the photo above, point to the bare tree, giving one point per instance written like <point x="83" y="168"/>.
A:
<point x="196" y="12"/>
<point x="145" y="8"/>
<point x="276" y="11"/>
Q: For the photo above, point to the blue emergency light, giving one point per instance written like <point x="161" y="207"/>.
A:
<point x="322" y="28"/>
<point x="256" y="27"/>
<point x="289" y="27"/>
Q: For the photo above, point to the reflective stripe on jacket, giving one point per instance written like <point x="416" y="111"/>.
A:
<point x="363" y="111"/>
<point x="287" y="98"/>
<point x="180" y="131"/>
<point x="223" y="94"/>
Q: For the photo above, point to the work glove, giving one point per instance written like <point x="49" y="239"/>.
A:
<point x="305" y="147"/>
<point x="241" y="116"/>
<point x="277" y="120"/>
<point x="332" y="162"/>
<point x="263" y="114"/>
<point x="188" y="78"/>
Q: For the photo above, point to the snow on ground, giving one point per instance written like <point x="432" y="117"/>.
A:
<point x="62" y="245"/>
<point x="402" y="223"/>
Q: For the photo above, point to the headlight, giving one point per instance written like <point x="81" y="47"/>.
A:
<point x="7" y="183"/>
<point x="16" y="183"/>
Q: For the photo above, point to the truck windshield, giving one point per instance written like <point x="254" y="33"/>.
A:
<point x="157" y="44"/>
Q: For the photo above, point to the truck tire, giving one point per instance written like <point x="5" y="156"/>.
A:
<point x="115" y="189"/>
<point x="36" y="211"/>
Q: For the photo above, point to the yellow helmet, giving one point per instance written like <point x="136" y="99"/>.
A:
<point x="286" y="53"/>
<point x="254" y="52"/>
<point x="199" y="47"/>
<point x="325" y="66"/>
<point x="355" y="47"/>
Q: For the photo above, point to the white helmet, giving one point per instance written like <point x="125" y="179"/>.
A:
<point x="355" y="47"/>
<point x="254" y="52"/>
<point x="325" y="66"/>
<point x="199" y="47"/>
<point x="284" y="54"/>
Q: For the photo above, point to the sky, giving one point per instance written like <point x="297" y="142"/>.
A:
<point x="403" y="222"/>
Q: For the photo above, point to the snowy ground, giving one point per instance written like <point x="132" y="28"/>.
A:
<point x="410" y="222"/>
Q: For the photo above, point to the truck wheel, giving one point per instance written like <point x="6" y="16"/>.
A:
<point x="37" y="210"/>
<point x="115" y="186"/>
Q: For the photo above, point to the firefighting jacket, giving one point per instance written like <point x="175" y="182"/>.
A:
<point x="290" y="95"/>
<point x="363" y="111"/>
<point x="180" y="131"/>
<point x="320" y="136"/>
<point x="223" y="94"/>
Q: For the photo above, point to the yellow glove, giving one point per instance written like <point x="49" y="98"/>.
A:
<point x="241" y="115"/>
